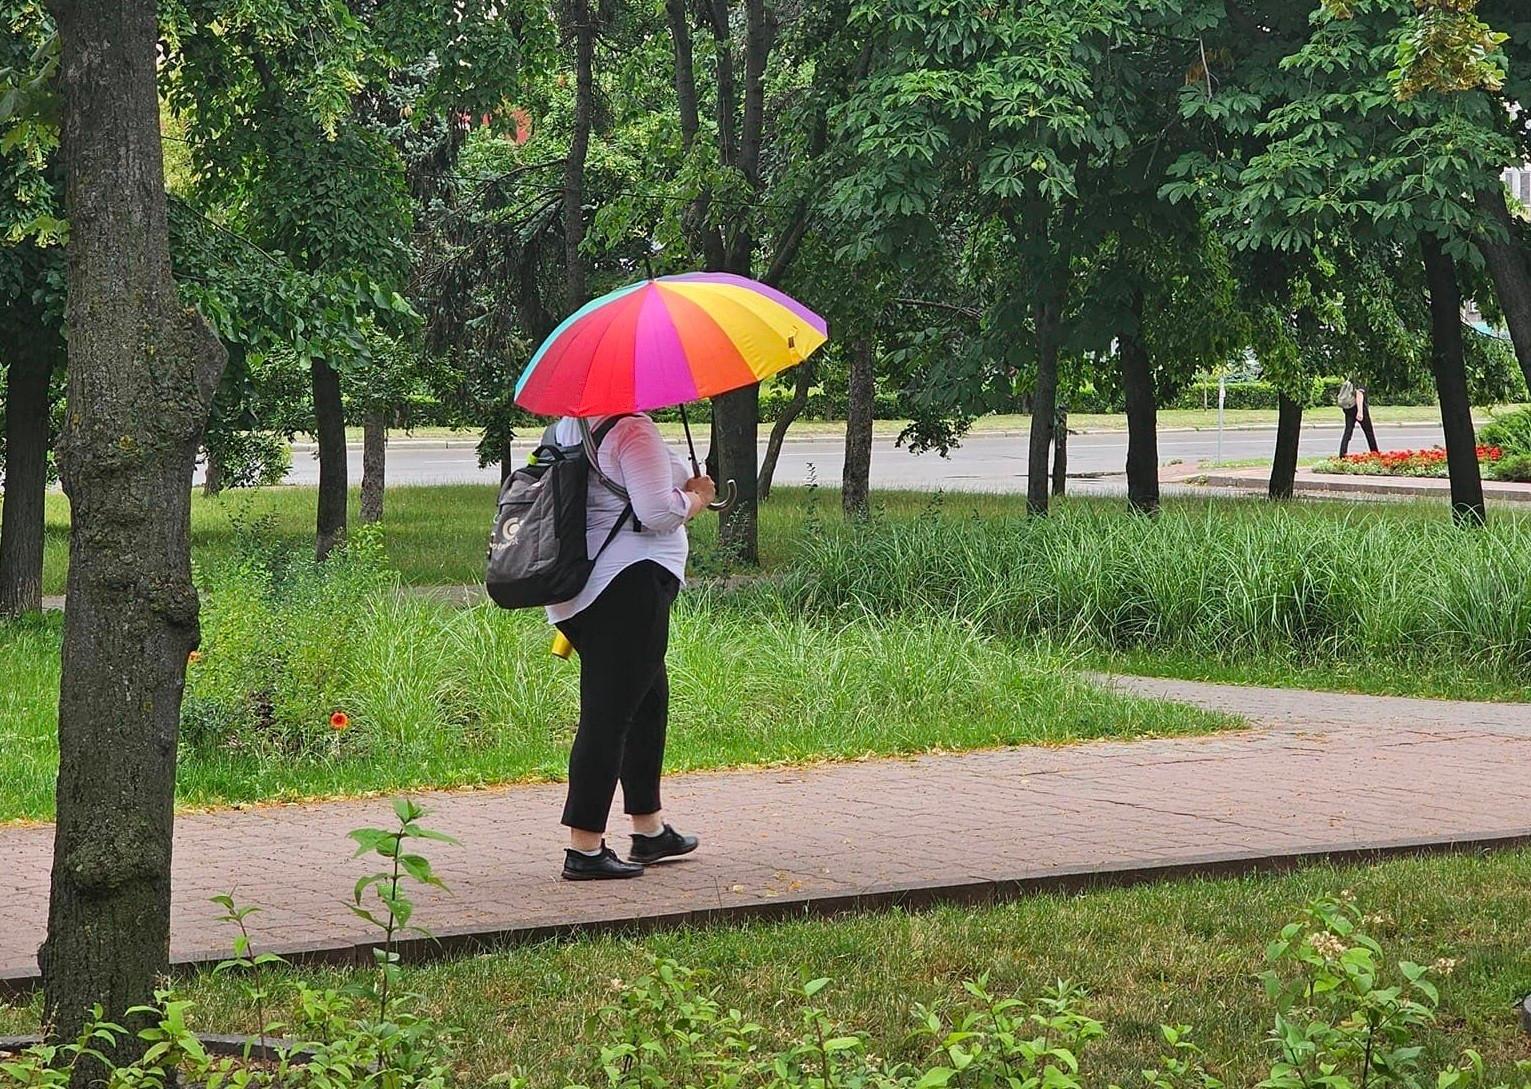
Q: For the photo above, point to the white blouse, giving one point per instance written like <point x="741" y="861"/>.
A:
<point x="633" y="455"/>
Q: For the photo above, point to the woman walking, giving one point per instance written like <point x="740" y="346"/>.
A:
<point x="620" y="625"/>
<point x="1357" y="408"/>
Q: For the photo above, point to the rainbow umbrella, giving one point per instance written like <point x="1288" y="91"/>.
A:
<point x="665" y="342"/>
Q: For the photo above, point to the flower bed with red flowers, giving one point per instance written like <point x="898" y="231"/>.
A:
<point x="1431" y="462"/>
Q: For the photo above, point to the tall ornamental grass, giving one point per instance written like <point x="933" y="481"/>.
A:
<point x="1223" y="582"/>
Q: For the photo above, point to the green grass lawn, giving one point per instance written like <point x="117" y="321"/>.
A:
<point x="441" y="696"/>
<point x="1184" y="952"/>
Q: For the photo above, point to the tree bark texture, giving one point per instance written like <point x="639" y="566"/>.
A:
<point x="22" y="523"/>
<point x="1047" y="314"/>
<point x="330" y="435"/>
<point x="577" y="294"/>
<point x="1142" y="417"/>
<point x="736" y="419"/>
<point x="861" y="407"/>
<point x="1448" y="360"/>
<point x="1061" y="452"/>
<point x="802" y="382"/>
<point x="1288" y="433"/>
<point x="374" y="462"/>
<point x="1510" y="266"/>
<point x="141" y="374"/>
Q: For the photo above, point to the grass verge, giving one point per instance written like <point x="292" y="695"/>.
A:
<point x="442" y="696"/>
<point x="1184" y="952"/>
<point x="1313" y="585"/>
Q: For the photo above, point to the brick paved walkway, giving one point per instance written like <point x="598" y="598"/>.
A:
<point x="1318" y="775"/>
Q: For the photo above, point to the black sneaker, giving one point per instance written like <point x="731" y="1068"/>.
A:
<point x="606" y="866"/>
<point x="656" y="848"/>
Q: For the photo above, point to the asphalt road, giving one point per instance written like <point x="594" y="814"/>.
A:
<point x="983" y="463"/>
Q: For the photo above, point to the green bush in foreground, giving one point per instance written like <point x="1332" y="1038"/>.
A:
<point x="1223" y="583"/>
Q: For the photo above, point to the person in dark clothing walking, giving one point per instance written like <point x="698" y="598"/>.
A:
<point x="1357" y="408"/>
<point x="620" y="626"/>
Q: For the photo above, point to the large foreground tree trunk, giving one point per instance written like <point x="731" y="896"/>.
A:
<point x="859" y="417"/>
<point x="132" y="613"/>
<point x="374" y="464"/>
<point x="1142" y="417"/>
<point x="1044" y="402"/>
<point x="27" y="379"/>
<point x="736" y="423"/>
<point x="1288" y="434"/>
<point x="802" y="381"/>
<point x="1448" y="359"/>
<point x="330" y="435"/>
<point x="1510" y="266"/>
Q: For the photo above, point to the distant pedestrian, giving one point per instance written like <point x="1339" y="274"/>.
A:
<point x="1357" y="408"/>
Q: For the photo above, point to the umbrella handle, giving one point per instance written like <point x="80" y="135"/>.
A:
<point x="729" y="498"/>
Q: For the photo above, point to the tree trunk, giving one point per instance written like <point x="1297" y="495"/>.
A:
<point x="330" y="434"/>
<point x="1061" y="451"/>
<point x="1288" y="433"/>
<point x="736" y="422"/>
<point x="374" y="461"/>
<point x="1044" y="403"/>
<point x="212" y="474"/>
<point x="579" y="148"/>
<point x="26" y="473"/>
<point x="132" y="614"/>
<point x="802" y="381"/>
<point x="861" y="405"/>
<point x="1448" y="360"/>
<point x="707" y="239"/>
<point x="1510" y="267"/>
<point x="508" y="462"/>
<point x="1142" y="417"/>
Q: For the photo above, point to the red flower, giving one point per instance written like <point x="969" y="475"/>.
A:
<point x="340" y="721"/>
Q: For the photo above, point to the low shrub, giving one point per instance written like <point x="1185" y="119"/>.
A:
<point x="1511" y="431"/>
<point x="1514" y="468"/>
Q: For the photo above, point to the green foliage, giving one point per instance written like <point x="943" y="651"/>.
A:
<point x="1221" y="583"/>
<point x="1510" y="431"/>
<point x="265" y="678"/>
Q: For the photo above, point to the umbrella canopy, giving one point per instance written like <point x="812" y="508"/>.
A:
<point x="666" y="342"/>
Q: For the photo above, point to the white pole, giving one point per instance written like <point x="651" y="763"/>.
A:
<point x="1222" y="397"/>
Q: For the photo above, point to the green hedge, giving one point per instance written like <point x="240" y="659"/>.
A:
<point x="1511" y="432"/>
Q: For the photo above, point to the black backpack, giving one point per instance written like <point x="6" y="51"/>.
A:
<point x="537" y="549"/>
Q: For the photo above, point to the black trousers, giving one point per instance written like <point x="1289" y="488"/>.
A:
<point x="1350" y="428"/>
<point x="624" y="696"/>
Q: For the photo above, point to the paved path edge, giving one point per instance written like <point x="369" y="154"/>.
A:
<point x="20" y="981"/>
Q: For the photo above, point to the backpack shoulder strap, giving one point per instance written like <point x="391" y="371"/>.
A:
<point x="610" y="485"/>
<point x="600" y="433"/>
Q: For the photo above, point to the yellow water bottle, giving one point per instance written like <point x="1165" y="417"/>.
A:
<point x="562" y="648"/>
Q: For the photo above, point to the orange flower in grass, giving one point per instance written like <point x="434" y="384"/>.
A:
<point x="194" y="657"/>
<point x="340" y="721"/>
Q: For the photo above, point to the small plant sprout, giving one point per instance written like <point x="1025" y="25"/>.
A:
<point x="395" y="909"/>
<point x="245" y="960"/>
